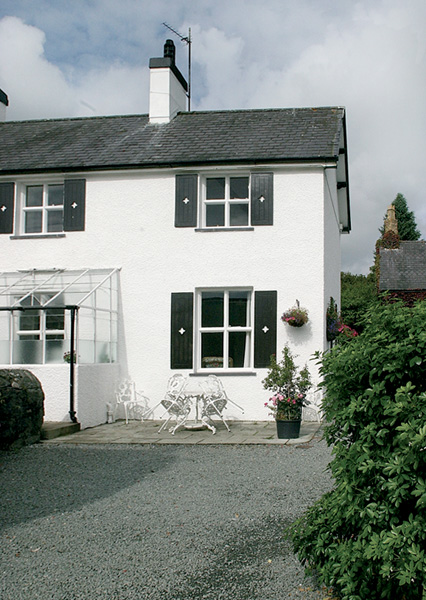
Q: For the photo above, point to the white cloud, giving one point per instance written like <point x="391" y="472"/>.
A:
<point x="39" y="89"/>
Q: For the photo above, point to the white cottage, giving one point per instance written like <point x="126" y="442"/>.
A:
<point x="146" y="245"/>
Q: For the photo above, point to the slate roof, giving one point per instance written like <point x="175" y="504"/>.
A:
<point x="191" y="138"/>
<point x="403" y="268"/>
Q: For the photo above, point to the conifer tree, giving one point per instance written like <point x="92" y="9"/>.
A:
<point x="407" y="226"/>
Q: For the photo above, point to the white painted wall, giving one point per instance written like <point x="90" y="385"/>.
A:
<point x="95" y="386"/>
<point x="55" y="381"/>
<point x="130" y="224"/>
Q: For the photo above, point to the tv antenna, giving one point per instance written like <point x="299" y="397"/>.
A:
<point x="188" y="41"/>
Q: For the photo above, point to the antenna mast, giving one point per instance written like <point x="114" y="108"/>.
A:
<point x="188" y="41"/>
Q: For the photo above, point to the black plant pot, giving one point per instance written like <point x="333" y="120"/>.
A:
<point x="288" y="430"/>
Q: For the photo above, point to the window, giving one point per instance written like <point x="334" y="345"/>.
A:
<point x="43" y="208"/>
<point x="225" y="329"/>
<point x="226" y="202"/>
<point x="235" y="201"/>
<point x="40" y="333"/>
<point x="228" y="329"/>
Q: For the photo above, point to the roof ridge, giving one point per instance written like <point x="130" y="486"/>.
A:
<point x="83" y="118"/>
<point x="194" y="112"/>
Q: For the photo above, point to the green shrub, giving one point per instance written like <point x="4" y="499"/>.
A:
<point x="367" y="537"/>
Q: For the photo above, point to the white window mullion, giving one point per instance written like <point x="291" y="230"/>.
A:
<point x="44" y="213"/>
<point x="226" y="330"/>
<point x="227" y="207"/>
<point x="11" y="336"/>
<point x="42" y="336"/>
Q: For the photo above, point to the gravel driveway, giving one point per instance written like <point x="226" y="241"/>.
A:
<point x="121" y="522"/>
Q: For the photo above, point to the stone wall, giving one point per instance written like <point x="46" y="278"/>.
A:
<point x="21" y="408"/>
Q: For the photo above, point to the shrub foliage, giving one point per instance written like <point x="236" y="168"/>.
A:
<point x="367" y="537"/>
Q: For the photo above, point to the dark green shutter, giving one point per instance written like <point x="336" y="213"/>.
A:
<point x="265" y="327"/>
<point x="186" y="200"/>
<point x="74" y="204"/>
<point x="262" y="199"/>
<point x="7" y="194"/>
<point x="181" y="340"/>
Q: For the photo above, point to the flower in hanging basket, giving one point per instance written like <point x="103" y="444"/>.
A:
<point x="296" y="316"/>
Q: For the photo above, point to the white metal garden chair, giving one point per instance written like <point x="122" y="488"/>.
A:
<point x="177" y="406"/>
<point x="214" y="402"/>
<point x="133" y="402"/>
<point x="312" y="411"/>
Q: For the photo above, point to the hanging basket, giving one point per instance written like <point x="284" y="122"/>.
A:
<point x="297" y="316"/>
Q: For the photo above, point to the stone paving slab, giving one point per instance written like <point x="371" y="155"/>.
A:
<point x="146" y="432"/>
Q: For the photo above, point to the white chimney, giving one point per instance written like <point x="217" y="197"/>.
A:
<point x="3" y="103"/>
<point x="167" y="87"/>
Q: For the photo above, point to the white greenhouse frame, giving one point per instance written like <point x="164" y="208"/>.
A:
<point x="89" y="301"/>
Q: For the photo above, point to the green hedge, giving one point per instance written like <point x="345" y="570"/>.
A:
<point x="367" y="537"/>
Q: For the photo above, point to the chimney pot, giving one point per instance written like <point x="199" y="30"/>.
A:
<point x="170" y="50"/>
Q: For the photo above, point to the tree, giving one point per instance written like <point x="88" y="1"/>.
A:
<point x="367" y="537"/>
<point x="357" y="293"/>
<point x="407" y="226"/>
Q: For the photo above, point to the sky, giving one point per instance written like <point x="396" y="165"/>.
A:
<point x="90" y="57"/>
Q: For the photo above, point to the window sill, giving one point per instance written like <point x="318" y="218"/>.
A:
<point x="223" y="373"/>
<point x="37" y="236"/>
<point x="210" y="229"/>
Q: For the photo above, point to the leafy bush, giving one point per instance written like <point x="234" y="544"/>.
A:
<point x="367" y="537"/>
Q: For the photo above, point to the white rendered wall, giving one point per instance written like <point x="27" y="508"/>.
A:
<point x="95" y="386"/>
<point x="55" y="381"/>
<point x="332" y="254"/>
<point x="130" y="224"/>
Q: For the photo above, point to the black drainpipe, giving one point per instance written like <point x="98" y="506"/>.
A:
<point x="72" y="413"/>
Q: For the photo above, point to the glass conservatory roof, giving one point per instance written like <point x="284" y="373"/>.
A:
<point x="54" y="287"/>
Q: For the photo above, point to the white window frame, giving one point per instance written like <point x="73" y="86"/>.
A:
<point x="227" y="201"/>
<point x="44" y="208"/>
<point x="225" y="330"/>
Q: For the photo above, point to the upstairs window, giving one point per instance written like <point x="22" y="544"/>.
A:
<point x="224" y="201"/>
<point x="227" y="202"/>
<point x="43" y="209"/>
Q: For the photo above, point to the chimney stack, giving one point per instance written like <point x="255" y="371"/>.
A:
<point x="391" y="224"/>
<point x="167" y="87"/>
<point x="4" y="102"/>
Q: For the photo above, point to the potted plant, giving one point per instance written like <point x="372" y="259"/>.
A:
<point x="336" y="329"/>
<point x="333" y="320"/>
<point x="289" y="386"/>
<point x="295" y="316"/>
<point x="67" y="357"/>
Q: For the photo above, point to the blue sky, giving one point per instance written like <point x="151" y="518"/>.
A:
<point x="90" y="57"/>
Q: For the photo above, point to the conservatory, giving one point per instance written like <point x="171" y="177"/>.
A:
<point x="55" y="317"/>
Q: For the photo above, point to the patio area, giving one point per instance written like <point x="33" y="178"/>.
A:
<point x="147" y="432"/>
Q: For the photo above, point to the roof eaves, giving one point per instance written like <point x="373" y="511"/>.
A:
<point x="167" y="165"/>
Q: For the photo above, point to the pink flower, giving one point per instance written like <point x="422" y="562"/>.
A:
<point x="294" y="401"/>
